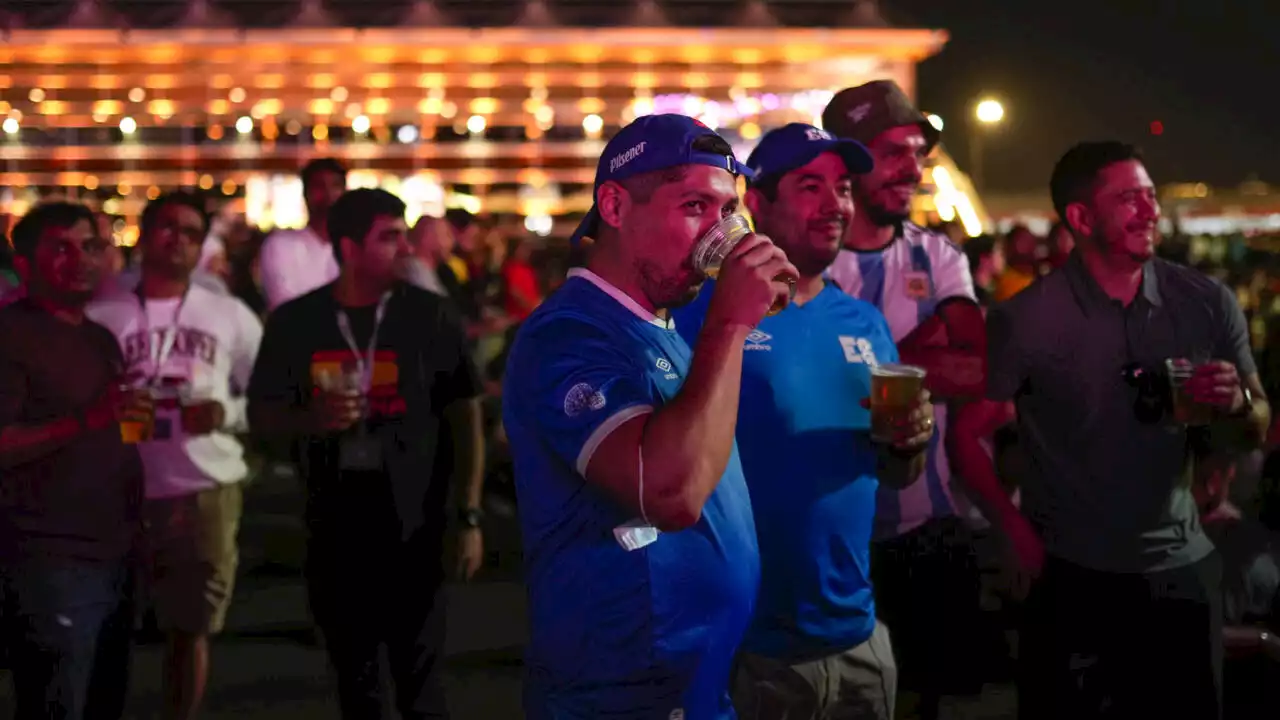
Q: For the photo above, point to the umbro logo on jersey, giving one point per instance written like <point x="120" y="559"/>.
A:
<point x="664" y="365"/>
<point x="758" y="340"/>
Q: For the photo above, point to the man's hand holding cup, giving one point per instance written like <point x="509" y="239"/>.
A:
<point x="905" y="427"/>
<point x="336" y="405"/>
<point x="912" y="433"/>
<point x="753" y="278"/>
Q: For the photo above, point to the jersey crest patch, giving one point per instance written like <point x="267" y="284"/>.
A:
<point x="582" y="398"/>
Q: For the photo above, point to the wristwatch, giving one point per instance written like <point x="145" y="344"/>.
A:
<point x="1247" y="408"/>
<point x="471" y="518"/>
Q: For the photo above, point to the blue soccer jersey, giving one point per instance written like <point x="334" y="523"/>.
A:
<point x="648" y="633"/>
<point x="810" y="467"/>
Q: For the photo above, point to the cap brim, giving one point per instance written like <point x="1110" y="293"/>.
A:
<point x="587" y="228"/>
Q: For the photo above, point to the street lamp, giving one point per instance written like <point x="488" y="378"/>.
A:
<point x="989" y="112"/>
<point x="986" y="114"/>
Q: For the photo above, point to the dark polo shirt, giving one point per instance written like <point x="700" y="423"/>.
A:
<point x="1105" y="490"/>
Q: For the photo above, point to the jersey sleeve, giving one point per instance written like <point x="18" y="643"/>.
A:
<point x="951" y="276"/>
<point x="1006" y="363"/>
<point x="571" y="384"/>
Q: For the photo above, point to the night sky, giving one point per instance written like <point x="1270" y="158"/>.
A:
<point x="1105" y="69"/>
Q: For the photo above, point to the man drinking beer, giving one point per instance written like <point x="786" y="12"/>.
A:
<point x="810" y="461"/>
<point x="640" y="547"/>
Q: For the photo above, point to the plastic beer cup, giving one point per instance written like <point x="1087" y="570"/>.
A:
<point x="139" y="425"/>
<point x="894" y="391"/>
<point x="1186" y="411"/>
<point x="716" y="245"/>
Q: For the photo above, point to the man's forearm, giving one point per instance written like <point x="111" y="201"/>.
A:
<point x="686" y="444"/>
<point x="468" y="444"/>
<point x="896" y="470"/>
<point x="22" y="443"/>
<point x="972" y="466"/>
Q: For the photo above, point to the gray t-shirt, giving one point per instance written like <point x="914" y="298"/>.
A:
<point x="1106" y="490"/>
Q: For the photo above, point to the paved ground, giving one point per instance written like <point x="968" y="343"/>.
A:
<point x="265" y="667"/>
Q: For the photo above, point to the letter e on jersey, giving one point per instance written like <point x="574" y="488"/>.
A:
<point x="857" y="350"/>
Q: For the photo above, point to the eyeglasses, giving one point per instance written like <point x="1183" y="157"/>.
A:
<point x="1153" y="392"/>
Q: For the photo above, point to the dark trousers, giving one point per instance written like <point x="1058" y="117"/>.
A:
<point x="1108" y="645"/>
<point x="928" y="592"/>
<point x="52" y="621"/>
<point x="365" y="598"/>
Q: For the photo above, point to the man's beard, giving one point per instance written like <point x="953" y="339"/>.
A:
<point x="882" y="216"/>
<point x="64" y="297"/>
<point x="666" y="292"/>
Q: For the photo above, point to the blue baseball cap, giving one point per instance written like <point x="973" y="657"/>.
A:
<point x="795" y="145"/>
<point x="657" y="142"/>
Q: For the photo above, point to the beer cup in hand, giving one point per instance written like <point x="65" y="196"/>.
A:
<point x="337" y="404"/>
<point x="720" y="241"/>
<point x="901" y="412"/>
<point x="135" y="410"/>
<point x="752" y="280"/>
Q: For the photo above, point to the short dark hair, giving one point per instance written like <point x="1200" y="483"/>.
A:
<point x="184" y="199"/>
<point x="766" y="186"/>
<point x="1077" y="170"/>
<point x="322" y="165"/>
<point x="459" y="218"/>
<point x="353" y="215"/>
<point x="59" y="214"/>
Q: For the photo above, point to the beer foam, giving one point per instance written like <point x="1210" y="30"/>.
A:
<point x="892" y="370"/>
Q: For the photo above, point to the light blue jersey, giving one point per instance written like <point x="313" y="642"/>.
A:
<point x="810" y="467"/>
<point x="648" y="634"/>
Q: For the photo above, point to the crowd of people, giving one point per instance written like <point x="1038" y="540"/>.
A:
<point x="759" y="468"/>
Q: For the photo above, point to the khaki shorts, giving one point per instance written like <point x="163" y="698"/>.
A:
<point x="192" y="558"/>
<point x="858" y="684"/>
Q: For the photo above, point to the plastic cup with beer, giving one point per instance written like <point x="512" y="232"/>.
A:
<point x="139" y="423"/>
<point x="1186" y="411"/>
<point x="894" y="391"/>
<point x="344" y="381"/>
<point x="716" y="245"/>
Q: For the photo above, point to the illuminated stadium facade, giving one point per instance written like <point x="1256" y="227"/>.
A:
<point x="491" y="104"/>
